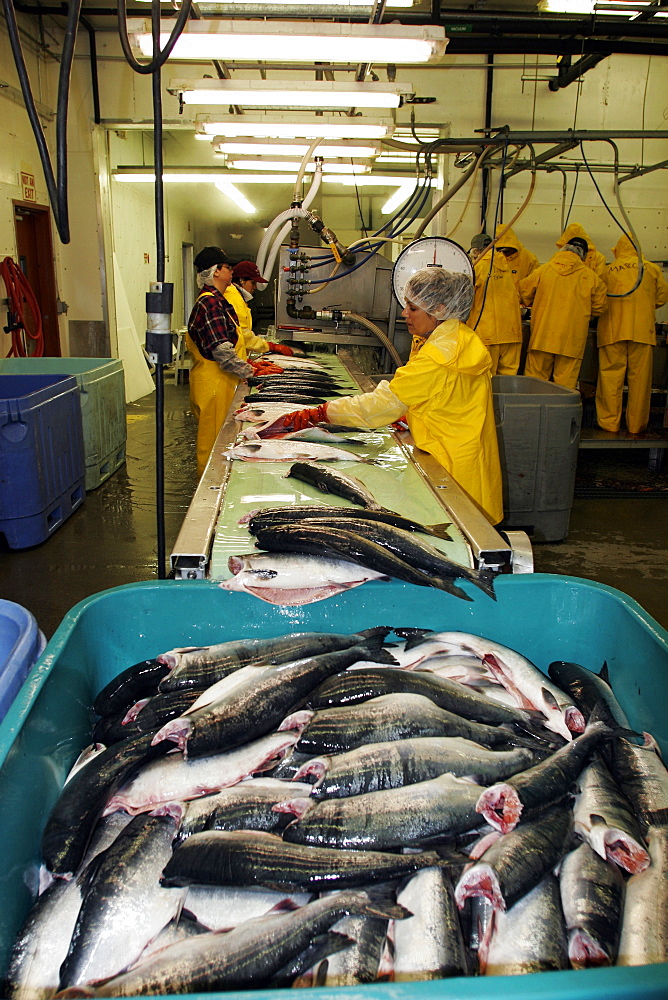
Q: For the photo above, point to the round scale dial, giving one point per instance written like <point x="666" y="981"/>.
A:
<point x="428" y="251"/>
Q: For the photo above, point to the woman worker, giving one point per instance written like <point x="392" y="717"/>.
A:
<point x="445" y="390"/>
<point x="212" y="340"/>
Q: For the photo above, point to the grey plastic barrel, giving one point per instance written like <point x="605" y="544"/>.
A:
<point x="538" y="426"/>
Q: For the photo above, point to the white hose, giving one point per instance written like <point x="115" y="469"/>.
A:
<point x="267" y="268"/>
<point x="302" y="168"/>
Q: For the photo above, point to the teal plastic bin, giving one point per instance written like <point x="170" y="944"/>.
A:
<point x="546" y="617"/>
<point x="21" y="644"/>
<point x="102" y="396"/>
<point x="538" y="427"/>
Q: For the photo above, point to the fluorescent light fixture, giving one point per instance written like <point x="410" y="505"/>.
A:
<point x="291" y="94"/>
<point x="401" y="195"/>
<point x="145" y="175"/>
<point x="292" y="41"/>
<point x="258" y="147"/>
<point x="294" y="126"/>
<point x="567" y="6"/>
<point x="331" y="167"/>
<point x="369" y="180"/>
<point x="235" y="195"/>
<point x="212" y="8"/>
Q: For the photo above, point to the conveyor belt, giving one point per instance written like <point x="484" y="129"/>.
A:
<point x="402" y="478"/>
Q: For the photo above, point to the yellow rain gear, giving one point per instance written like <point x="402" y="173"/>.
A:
<point x="594" y="259"/>
<point x="251" y="341"/>
<point x="523" y="262"/>
<point x="626" y="336"/>
<point x="564" y="294"/>
<point x="498" y="322"/>
<point x="446" y="392"/>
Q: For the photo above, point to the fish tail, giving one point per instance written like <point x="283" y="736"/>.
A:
<point x="375" y="651"/>
<point x="484" y="580"/>
<point x="382" y="902"/>
<point x="377" y="630"/>
<point x="440" y="530"/>
<point x="414" y="635"/>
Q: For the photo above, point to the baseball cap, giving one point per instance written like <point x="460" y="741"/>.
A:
<point x="480" y="241"/>
<point x="246" y="270"/>
<point x="209" y="257"/>
<point x="578" y="246"/>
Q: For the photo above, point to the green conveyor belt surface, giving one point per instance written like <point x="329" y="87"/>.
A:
<point x="390" y="477"/>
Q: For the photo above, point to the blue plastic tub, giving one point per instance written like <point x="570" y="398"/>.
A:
<point x="102" y="398"/>
<point x="21" y="644"/>
<point x="546" y="617"/>
<point x="42" y="466"/>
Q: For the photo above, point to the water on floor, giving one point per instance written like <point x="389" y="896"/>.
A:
<point x="111" y="539"/>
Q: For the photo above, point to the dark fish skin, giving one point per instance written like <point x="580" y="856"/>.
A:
<point x="202" y="671"/>
<point x="289" y="766"/>
<point x="549" y="781"/>
<point x="249" y="858"/>
<point x="517" y="861"/>
<point x="248" y="955"/>
<point x="379" y="766"/>
<point x="319" y="949"/>
<point x="138" y="681"/>
<point x="78" y="807"/>
<point x="284" y="397"/>
<point x="364" y="683"/>
<point x="316" y="539"/>
<point x="158" y="710"/>
<point x="589" y="691"/>
<point x="592" y="893"/>
<point x="391" y="717"/>
<point x="415" y="551"/>
<point x="418" y="815"/>
<point x="278" y="515"/>
<point x="254" y="711"/>
<point x="240" y="807"/>
<point x="331" y="481"/>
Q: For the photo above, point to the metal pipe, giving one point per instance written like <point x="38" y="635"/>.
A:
<point x="639" y="171"/>
<point x="570" y="73"/>
<point x="489" y="93"/>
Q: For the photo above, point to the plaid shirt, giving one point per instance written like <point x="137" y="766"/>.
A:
<point x="213" y="321"/>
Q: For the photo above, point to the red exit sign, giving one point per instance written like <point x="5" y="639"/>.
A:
<point x="28" y="186"/>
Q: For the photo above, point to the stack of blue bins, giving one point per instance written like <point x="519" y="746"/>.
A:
<point x="42" y="466"/>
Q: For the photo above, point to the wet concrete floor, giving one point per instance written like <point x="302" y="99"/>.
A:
<point x="111" y="539"/>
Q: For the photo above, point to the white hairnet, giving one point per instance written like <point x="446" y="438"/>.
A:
<point x="206" y="277"/>
<point x="443" y="294"/>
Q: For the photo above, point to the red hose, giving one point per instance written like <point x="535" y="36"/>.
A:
<point x="20" y="295"/>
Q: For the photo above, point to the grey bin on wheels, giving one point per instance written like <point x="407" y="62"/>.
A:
<point x="538" y="425"/>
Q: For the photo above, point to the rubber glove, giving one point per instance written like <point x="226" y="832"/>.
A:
<point x="265" y="368"/>
<point x="295" y="421"/>
<point x="280" y="349"/>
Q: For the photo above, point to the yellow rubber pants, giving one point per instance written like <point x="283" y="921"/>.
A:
<point x="563" y="370"/>
<point x="625" y="358"/>
<point x="505" y="358"/>
<point x="211" y="392"/>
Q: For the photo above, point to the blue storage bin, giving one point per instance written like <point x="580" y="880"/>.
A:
<point x="545" y="617"/>
<point x="42" y="466"/>
<point x="102" y="397"/>
<point x="21" y="645"/>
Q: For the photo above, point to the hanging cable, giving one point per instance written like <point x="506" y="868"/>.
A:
<point x="493" y="244"/>
<point x="20" y="295"/>
<point x="575" y="187"/>
<point x="159" y="57"/>
<point x="56" y="185"/>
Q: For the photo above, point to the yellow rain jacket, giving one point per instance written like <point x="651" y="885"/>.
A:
<point x="631" y="318"/>
<point x="446" y="392"/>
<point x="523" y="262"/>
<point x="500" y="322"/>
<point x="594" y="259"/>
<point x="564" y="294"/>
<point x="250" y="340"/>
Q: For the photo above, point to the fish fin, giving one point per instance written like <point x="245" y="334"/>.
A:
<point x="377" y="631"/>
<point x="599" y="713"/>
<point x="440" y="530"/>
<point x="415" y="635"/>
<point x="449" y="856"/>
<point x="449" y="587"/>
<point x="484" y="580"/>
<point x="604" y="674"/>
<point x="86" y="876"/>
<point x="382" y="902"/>
<point x="658" y="817"/>
<point x="299" y="596"/>
<point x="286" y="905"/>
<point x="597" y="820"/>
<point x="374" y="650"/>
<point x="549" y="698"/>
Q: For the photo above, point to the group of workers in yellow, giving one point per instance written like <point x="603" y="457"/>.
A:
<point x="462" y="334"/>
<point x="564" y="294"/>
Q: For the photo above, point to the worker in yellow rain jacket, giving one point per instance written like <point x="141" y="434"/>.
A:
<point x="564" y="294"/>
<point x="445" y="390"/>
<point x="626" y="336"/>
<point x="495" y="313"/>
<point x="594" y="258"/>
<point x="245" y="279"/>
<point x="218" y="353"/>
<point x="521" y="261"/>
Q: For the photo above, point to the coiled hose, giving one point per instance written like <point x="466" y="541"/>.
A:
<point x="20" y="295"/>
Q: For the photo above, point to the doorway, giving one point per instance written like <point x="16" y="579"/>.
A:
<point x="34" y="251"/>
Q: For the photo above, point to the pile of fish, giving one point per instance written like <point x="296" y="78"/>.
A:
<point x="318" y="551"/>
<point x="337" y="809"/>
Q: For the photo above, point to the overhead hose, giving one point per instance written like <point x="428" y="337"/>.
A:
<point x="20" y="295"/>
<point x="56" y="186"/>
<point x="445" y="198"/>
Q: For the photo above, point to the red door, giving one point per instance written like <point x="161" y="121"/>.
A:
<point x="35" y="258"/>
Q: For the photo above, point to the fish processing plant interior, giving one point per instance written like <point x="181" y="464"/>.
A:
<point x="331" y="610"/>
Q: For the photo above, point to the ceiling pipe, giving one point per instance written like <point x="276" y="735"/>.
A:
<point x="568" y="73"/>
